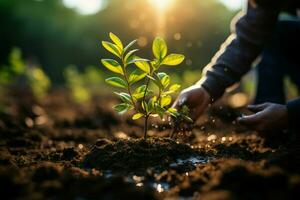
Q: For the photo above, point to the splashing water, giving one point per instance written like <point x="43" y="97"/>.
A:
<point x="161" y="187"/>
<point x="191" y="160"/>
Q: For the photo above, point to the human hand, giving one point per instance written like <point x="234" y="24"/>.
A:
<point x="267" y="117"/>
<point x="196" y="98"/>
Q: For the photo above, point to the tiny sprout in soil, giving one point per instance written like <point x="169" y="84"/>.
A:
<point x="137" y="95"/>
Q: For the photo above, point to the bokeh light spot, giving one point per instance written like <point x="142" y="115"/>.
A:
<point x="177" y="36"/>
<point x="142" y="41"/>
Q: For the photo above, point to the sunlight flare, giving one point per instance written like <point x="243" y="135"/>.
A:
<point x="161" y="5"/>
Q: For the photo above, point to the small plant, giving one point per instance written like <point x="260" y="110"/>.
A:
<point x="138" y="96"/>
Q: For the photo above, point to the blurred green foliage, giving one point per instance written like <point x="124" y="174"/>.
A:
<point x="15" y="67"/>
<point x="18" y="73"/>
<point x="55" y="36"/>
<point x="83" y="85"/>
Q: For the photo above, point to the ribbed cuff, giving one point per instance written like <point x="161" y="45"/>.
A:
<point x="212" y="86"/>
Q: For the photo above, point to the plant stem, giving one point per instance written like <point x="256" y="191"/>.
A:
<point x="128" y="85"/>
<point x="146" y="127"/>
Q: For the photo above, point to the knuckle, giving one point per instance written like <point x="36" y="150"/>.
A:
<point x="268" y="104"/>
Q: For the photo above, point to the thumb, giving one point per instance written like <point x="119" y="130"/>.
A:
<point x="250" y="119"/>
<point x="181" y="100"/>
<point x="258" y="107"/>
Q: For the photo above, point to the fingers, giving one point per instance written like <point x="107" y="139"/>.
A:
<point x="251" y="119"/>
<point x="197" y="111"/>
<point x="258" y="107"/>
<point x="180" y="101"/>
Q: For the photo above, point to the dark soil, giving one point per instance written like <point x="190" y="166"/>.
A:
<point x="137" y="155"/>
<point x="61" y="150"/>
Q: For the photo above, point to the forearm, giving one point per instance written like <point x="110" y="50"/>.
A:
<point x="235" y="57"/>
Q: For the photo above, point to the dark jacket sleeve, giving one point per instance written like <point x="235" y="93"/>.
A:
<point x="293" y="108"/>
<point x="252" y="30"/>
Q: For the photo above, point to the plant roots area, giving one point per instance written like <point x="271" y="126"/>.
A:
<point x="57" y="149"/>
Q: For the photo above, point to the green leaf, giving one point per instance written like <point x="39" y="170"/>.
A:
<point x="122" y="108"/>
<point x="137" y="116"/>
<point x="112" y="48"/>
<point x="129" y="45"/>
<point x="187" y="118"/>
<point x="112" y="65"/>
<point x="165" y="101"/>
<point x="160" y="75"/>
<point x="116" y="40"/>
<point x="174" y="87"/>
<point x="159" y="48"/>
<point x="145" y="106"/>
<point x="173" y="59"/>
<point x="129" y="56"/>
<point x="165" y="81"/>
<point x="124" y="97"/>
<point x="160" y="110"/>
<point x="156" y="81"/>
<point x="141" y="88"/>
<point x="143" y="65"/>
<point x="185" y="110"/>
<point x="139" y="92"/>
<point x="155" y="64"/>
<point x="152" y="103"/>
<point x="136" y="76"/>
<point x="173" y="112"/>
<point x="116" y="81"/>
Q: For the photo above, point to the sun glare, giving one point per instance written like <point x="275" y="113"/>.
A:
<point x="85" y="7"/>
<point x="161" y="5"/>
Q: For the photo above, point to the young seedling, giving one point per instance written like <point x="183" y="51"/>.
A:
<point x="137" y="95"/>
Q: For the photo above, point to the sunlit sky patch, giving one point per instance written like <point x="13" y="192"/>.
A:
<point x="233" y="4"/>
<point x="87" y="7"/>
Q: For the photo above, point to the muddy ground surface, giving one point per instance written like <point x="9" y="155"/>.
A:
<point x="61" y="150"/>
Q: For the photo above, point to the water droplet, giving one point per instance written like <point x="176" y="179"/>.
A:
<point x="138" y="178"/>
<point x="29" y="122"/>
<point x="139" y="184"/>
<point x="223" y="139"/>
<point x="80" y="146"/>
<point x="211" y="137"/>
<point x="159" y="188"/>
